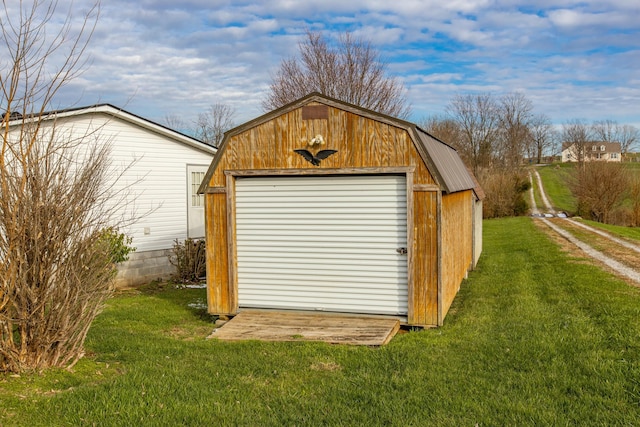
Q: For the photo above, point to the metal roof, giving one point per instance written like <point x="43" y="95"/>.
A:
<point x="454" y="175"/>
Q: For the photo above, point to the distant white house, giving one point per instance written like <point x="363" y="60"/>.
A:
<point x="166" y="168"/>
<point x="592" y="151"/>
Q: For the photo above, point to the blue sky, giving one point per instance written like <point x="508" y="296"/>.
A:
<point x="572" y="59"/>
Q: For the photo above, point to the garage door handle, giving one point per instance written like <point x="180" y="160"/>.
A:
<point x="402" y="251"/>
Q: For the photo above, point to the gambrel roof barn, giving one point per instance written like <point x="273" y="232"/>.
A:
<point x="325" y="206"/>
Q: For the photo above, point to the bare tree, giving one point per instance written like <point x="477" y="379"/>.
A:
<point x="628" y="137"/>
<point x="611" y="131"/>
<point x="352" y="71"/>
<point x="542" y="135"/>
<point x="515" y="119"/>
<point x="213" y="123"/>
<point x="576" y="134"/>
<point x="477" y="117"/>
<point x="443" y="128"/>
<point x="174" y="122"/>
<point x="605" y="130"/>
<point x="56" y="235"/>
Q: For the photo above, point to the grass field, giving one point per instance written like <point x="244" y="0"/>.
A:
<point x="535" y="337"/>
<point x="555" y="180"/>
<point x="629" y="233"/>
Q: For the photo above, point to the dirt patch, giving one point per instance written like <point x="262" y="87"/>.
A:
<point x="189" y="334"/>
<point x="326" y="366"/>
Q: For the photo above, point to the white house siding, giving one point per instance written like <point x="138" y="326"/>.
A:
<point x="154" y="167"/>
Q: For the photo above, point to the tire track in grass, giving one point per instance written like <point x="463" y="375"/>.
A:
<point x="604" y="234"/>
<point x="543" y="195"/>
<point x="597" y="231"/>
<point x="534" y="207"/>
<point x="620" y="268"/>
<point x="610" y="262"/>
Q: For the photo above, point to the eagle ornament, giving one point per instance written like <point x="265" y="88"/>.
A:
<point x="319" y="155"/>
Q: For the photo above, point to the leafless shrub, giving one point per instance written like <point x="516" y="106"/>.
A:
<point x="56" y="269"/>
<point x="504" y="191"/>
<point x="634" y="195"/>
<point x="599" y="188"/>
<point x="57" y="198"/>
<point x="189" y="260"/>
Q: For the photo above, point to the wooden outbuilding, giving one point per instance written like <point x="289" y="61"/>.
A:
<point x="325" y="206"/>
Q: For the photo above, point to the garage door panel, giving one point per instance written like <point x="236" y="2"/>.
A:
<point x="329" y="253"/>
<point x="308" y="262"/>
<point x="355" y="273"/>
<point x="335" y="294"/>
<point x="294" y="285"/>
<point x="321" y="236"/>
<point x="325" y="243"/>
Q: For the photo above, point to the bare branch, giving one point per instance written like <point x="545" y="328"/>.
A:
<point x="477" y="117"/>
<point x="212" y="124"/>
<point x="352" y="71"/>
<point x="543" y="135"/>
<point x="599" y="188"/>
<point x="174" y="121"/>
<point x="575" y="136"/>
<point x="58" y="195"/>
<point x="611" y="131"/>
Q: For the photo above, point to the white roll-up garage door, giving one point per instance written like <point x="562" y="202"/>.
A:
<point x="322" y="243"/>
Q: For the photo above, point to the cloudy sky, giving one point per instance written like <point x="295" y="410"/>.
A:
<point x="572" y="59"/>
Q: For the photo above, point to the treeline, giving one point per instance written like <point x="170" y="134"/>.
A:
<point x="497" y="137"/>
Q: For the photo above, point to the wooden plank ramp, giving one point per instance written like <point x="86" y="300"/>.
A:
<point x="267" y="325"/>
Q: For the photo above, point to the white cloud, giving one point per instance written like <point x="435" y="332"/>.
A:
<point x="572" y="58"/>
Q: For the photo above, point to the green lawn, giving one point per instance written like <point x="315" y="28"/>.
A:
<point x="555" y="180"/>
<point x="630" y="233"/>
<point x="535" y="337"/>
<point x="536" y="193"/>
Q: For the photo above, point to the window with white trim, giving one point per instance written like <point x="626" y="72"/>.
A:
<point x="197" y="200"/>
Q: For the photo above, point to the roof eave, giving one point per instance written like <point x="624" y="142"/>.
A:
<point x="113" y="111"/>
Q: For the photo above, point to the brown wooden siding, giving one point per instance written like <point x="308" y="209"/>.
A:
<point x="425" y="260"/>
<point x="457" y="243"/>
<point x="361" y="143"/>
<point x="220" y="298"/>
